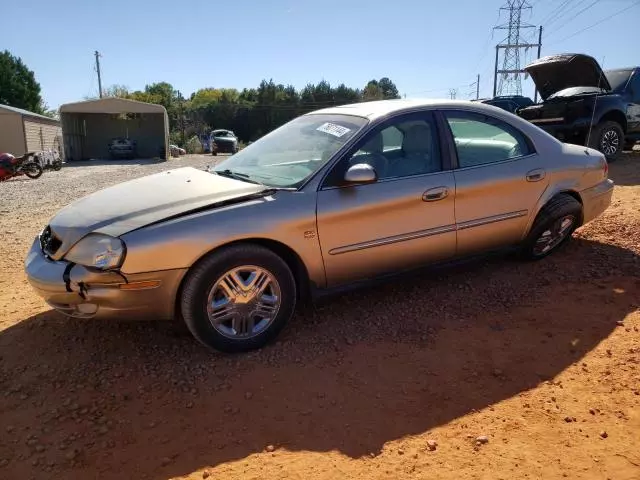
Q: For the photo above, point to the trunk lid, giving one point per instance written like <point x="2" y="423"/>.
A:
<point x="557" y="72"/>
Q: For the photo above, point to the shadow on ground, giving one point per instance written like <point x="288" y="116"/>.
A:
<point x="143" y="400"/>
<point x="626" y="170"/>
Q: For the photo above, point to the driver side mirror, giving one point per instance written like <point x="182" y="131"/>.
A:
<point x="361" y="173"/>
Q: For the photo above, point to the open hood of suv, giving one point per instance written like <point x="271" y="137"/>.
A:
<point x="557" y="72"/>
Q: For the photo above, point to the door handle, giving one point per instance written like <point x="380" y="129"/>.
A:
<point x="435" y="194"/>
<point x="535" y="175"/>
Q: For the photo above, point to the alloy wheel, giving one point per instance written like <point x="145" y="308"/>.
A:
<point x="554" y="235"/>
<point x="610" y="142"/>
<point x="244" y="302"/>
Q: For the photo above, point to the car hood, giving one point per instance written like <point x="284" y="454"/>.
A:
<point x="557" y="72"/>
<point x="136" y="203"/>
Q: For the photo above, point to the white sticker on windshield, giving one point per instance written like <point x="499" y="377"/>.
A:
<point x="333" y="129"/>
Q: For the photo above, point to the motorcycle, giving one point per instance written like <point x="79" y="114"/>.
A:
<point x="11" y="166"/>
<point x="47" y="159"/>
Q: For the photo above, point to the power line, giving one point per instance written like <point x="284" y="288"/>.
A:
<point x="597" y="23"/>
<point x="573" y="17"/>
<point x="553" y="12"/>
<point x="567" y="11"/>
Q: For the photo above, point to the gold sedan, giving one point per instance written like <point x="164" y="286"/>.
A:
<point x="333" y="197"/>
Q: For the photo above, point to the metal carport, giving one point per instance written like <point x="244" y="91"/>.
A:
<point x="88" y="127"/>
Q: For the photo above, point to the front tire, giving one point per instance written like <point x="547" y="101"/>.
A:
<point x="239" y="298"/>
<point x="553" y="227"/>
<point x="33" y="170"/>
<point x="608" y="138"/>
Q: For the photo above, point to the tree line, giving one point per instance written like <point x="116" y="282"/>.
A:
<point x="251" y="112"/>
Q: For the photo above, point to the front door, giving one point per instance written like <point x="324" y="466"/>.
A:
<point x="404" y="219"/>
<point x="633" y="107"/>
<point x="499" y="180"/>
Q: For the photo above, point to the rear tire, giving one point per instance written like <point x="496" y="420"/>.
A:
<point x="553" y="227"/>
<point x="608" y="138"/>
<point x="238" y="315"/>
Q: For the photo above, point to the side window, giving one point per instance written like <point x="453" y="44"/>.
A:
<point x="402" y="147"/>
<point x="635" y="86"/>
<point x="481" y="139"/>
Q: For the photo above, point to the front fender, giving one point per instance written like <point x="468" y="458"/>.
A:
<point x="286" y="217"/>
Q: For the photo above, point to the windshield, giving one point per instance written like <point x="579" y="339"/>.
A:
<point x="287" y="156"/>
<point x="618" y="79"/>
<point x="573" y="91"/>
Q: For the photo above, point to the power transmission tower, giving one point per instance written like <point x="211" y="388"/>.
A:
<point x="508" y="79"/>
<point x="97" y="54"/>
<point x="453" y="92"/>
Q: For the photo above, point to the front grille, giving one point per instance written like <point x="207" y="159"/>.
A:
<point x="49" y="242"/>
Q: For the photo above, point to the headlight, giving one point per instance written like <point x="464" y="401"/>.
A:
<point x="98" y="251"/>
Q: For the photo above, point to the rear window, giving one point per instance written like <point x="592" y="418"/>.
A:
<point x="618" y="78"/>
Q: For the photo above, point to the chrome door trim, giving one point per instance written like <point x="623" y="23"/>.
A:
<point x="428" y="232"/>
<point x="394" y="239"/>
<point x="493" y="219"/>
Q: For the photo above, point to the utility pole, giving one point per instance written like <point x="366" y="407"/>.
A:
<point x="509" y="81"/>
<point x="535" y="95"/>
<point x="478" y="87"/>
<point x="452" y="93"/>
<point x="97" y="54"/>
<point x="180" y="99"/>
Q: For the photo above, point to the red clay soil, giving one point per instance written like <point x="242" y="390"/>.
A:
<point x="495" y="369"/>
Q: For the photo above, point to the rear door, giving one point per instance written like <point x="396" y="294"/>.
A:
<point x="499" y="180"/>
<point x="404" y="219"/>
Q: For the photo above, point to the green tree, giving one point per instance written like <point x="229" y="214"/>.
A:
<point x="383" y="89"/>
<point x="120" y="91"/>
<point x="18" y="85"/>
<point x="372" y="91"/>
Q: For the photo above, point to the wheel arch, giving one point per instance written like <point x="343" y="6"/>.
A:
<point x="544" y="201"/>
<point x="290" y="257"/>
<point x="615" y="116"/>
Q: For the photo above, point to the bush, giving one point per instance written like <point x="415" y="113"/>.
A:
<point x="193" y="145"/>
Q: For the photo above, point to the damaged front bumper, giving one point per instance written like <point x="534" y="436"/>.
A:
<point x="80" y="292"/>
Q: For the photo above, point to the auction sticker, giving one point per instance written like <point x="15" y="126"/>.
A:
<point x="333" y="129"/>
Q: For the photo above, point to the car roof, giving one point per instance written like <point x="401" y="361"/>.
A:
<point x="380" y="108"/>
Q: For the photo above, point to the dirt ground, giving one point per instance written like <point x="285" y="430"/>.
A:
<point x="492" y="370"/>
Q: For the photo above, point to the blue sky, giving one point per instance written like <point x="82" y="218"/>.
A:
<point x="426" y="47"/>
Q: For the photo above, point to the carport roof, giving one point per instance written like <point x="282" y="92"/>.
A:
<point x="112" y="105"/>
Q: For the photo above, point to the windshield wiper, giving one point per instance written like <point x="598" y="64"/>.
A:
<point x="246" y="178"/>
<point x="237" y="175"/>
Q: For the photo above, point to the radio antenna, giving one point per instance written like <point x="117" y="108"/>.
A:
<point x="593" y="114"/>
